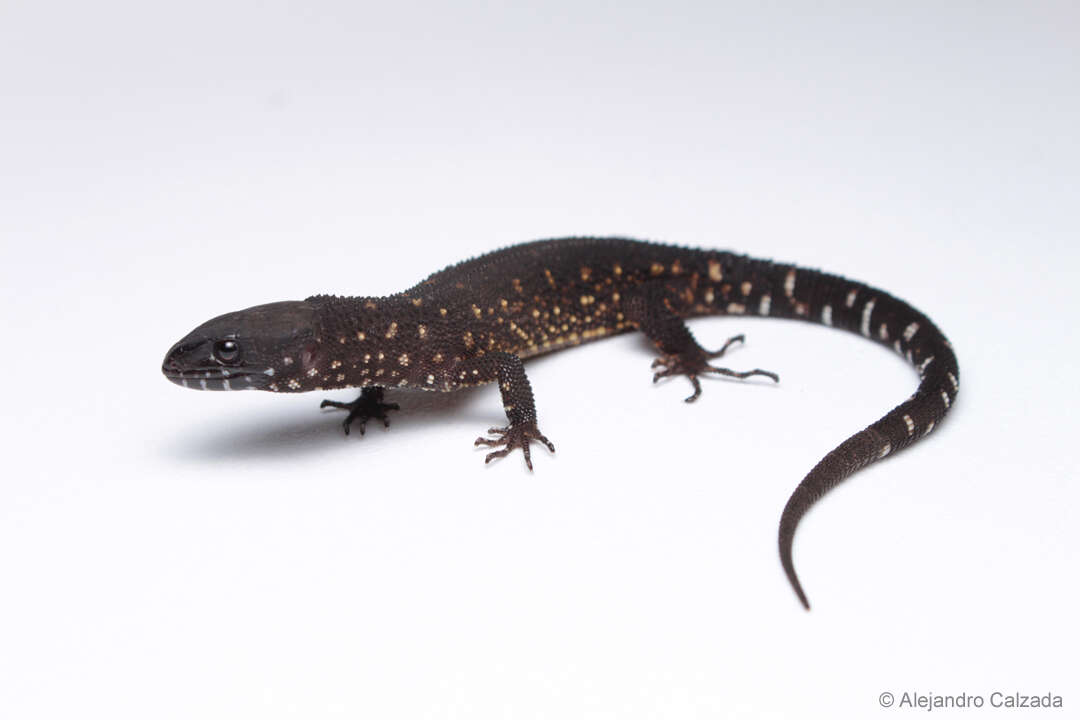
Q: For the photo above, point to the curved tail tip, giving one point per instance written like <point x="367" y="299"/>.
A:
<point x="802" y="596"/>
<point x="788" y="563"/>
<point x="789" y="570"/>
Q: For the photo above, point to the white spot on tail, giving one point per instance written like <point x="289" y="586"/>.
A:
<point x="910" y="330"/>
<point x="867" y="311"/>
<point x="736" y="309"/>
<point x="885" y="450"/>
<point x="955" y="383"/>
<point x="925" y="364"/>
<point x="945" y="398"/>
<point x="789" y="283"/>
<point x="910" y="425"/>
<point x="850" y="302"/>
<point x="883" y="332"/>
<point x="826" y="315"/>
<point x="765" y="306"/>
<point x="929" y="428"/>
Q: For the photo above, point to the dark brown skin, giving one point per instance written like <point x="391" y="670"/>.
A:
<point x="473" y="323"/>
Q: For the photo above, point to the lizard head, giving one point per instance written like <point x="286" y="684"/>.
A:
<point x="260" y="348"/>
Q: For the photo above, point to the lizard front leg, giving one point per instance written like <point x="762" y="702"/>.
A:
<point x="518" y="403"/>
<point x="368" y="406"/>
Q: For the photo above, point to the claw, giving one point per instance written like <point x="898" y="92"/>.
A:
<point x="697" y="388"/>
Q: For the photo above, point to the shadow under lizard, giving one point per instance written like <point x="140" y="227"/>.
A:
<point x="474" y="322"/>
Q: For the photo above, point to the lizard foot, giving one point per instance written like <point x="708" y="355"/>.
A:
<point x="513" y="436"/>
<point x="693" y="364"/>
<point x="369" y="405"/>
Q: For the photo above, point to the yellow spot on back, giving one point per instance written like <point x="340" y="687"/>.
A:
<point x="716" y="273"/>
<point x="391" y="331"/>
<point x="421" y="330"/>
<point x="586" y="273"/>
<point x="656" y="268"/>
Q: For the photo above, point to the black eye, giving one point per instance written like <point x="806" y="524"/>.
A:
<point x="226" y="351"/>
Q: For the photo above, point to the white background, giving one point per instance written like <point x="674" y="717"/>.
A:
<point x="174" y="554"/>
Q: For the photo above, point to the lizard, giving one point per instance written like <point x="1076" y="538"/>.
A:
<point x="475" y="322"/>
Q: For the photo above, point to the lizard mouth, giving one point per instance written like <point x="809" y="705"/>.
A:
<point x="216" y="378"/>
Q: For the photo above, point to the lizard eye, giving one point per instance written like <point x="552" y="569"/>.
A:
<point x="226" y="351"/>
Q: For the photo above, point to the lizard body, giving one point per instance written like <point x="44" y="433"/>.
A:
<point x="474" y="322"/>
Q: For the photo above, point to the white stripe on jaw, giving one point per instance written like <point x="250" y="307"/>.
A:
<point x="202" y="384"/>
<point x="225" y="384"/>
<point x="269" y="371"/>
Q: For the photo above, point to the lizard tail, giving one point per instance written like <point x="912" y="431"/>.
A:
<point x="892" y="322"/>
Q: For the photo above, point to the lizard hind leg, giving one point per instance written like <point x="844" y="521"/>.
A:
<point x="692" y="365"/>
<point x="680" y="353"/>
